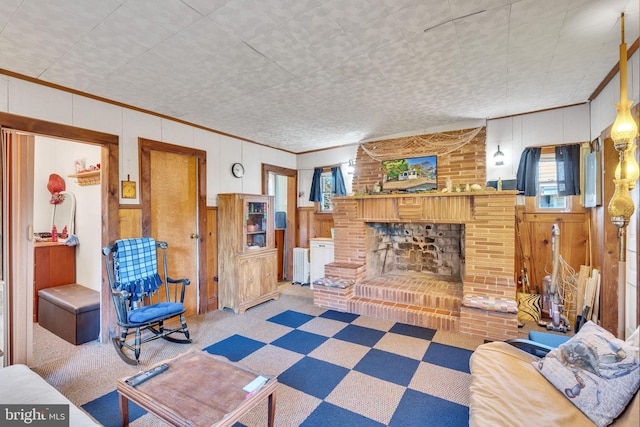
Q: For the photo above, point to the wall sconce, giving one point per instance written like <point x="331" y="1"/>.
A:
<point x="498" y="157"/>
<point x="351" y="167"/>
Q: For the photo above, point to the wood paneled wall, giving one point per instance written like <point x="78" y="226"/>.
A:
<point x="534" y="242"/>
<point x="211" y="241"/>
<point x="312" y="224"/>
<point x="130" y="221"/>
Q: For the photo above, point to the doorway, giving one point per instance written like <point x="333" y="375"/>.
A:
<point x="173" y="198"/>
<point x="56" y="164"/>
<point x="17" y="209"/>
<point x="282" y="183"/>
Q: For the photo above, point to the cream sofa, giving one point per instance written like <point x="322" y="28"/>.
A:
<point x="20" y="385"/>
<point x="507" y="390"/>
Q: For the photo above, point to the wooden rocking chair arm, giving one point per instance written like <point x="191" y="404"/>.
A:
<point x="185" y="281"/>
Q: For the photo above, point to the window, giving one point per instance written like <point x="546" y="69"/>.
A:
<point x="327" y="185"/>
<point x="548" y="184"/>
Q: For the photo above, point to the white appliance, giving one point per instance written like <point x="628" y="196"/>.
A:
<point x="301" y="266"/>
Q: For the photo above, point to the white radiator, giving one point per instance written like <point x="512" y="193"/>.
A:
<point x="301" y="268"/>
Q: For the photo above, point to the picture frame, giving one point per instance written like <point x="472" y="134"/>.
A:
<point x="411" y="174"/>
<point x="128" y="189"/>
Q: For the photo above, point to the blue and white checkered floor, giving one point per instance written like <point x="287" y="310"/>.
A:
<point x="360" y="375"/>
<point x="334" y="369"/>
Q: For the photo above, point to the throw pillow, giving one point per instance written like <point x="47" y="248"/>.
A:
<point x="529" y="306"/>
<point x="596" y="371"/>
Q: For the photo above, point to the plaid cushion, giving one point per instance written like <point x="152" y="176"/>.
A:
<point x="500" y="305"/>
<point x="136" y="267"/>
<point x="334" y="282"/>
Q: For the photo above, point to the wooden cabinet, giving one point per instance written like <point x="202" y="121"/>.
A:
<point x="247" y="257"/>
<point x="321" y="254"/>
<point x="54" y="264"/>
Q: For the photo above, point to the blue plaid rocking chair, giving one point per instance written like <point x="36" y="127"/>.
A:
<point x="142" y="301"/>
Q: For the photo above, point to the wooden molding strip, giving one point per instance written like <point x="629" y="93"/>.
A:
<point x="632" y="49"/>
<point x="129" y="107"/>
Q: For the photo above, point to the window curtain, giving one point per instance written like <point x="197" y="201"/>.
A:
<point x="527" y="175"/>
<point x="315" y="195"/>
<point x="568" y="169"/>
<point x="339" y="187"/>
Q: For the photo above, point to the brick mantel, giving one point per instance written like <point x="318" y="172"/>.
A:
<point x="489" y="246"/>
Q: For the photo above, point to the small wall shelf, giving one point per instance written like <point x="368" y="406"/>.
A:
<point x="87" y="178"/>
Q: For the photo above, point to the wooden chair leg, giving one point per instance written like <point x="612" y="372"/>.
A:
<point x="184" y="327"/>
<point x="119" y="344"/>
<point x="137" y="344"/>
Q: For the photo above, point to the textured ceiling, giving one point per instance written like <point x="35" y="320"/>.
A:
<point x="309" y="74"/>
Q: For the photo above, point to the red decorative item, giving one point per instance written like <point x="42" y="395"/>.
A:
<point x="55" y="186"/>
<point x="54" y="233"/>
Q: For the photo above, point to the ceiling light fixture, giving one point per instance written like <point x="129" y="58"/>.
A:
<point x="498" y="157"/>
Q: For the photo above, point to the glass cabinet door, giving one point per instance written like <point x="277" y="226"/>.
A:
<point x="256" y="224"/>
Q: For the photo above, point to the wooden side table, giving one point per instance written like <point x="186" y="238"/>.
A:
<point x="198" y="389"/>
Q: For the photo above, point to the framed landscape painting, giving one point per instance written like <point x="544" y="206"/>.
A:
<point x="411" y="174"/>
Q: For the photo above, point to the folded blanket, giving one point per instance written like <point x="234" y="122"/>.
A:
<point x="136" y="267"/>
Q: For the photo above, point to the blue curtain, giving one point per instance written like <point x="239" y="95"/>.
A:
<point x="568" y="169"/>
<point x="527" y="175"/>
<point x="339" y="187"/>
<point x="315" y="195"/>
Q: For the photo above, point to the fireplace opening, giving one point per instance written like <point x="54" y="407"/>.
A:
<point x="428" y="248"/>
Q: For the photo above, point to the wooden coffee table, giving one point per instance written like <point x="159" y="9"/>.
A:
<point x="198" y="389"/>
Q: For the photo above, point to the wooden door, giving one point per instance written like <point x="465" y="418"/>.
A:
<point x="173" y="194"/>
<point x="174" y="216"/>
<point x="280" y="246"/>
<point x="17" y="157"/>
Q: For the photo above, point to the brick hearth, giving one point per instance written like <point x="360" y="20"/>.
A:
<point x="409" y="298"/>
<point x="425" y="299"/>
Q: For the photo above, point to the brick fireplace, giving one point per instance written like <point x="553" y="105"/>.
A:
<point x="465" y="242"/>
<point x="420" y="247"/>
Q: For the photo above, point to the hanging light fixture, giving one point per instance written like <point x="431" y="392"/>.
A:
<point x="632" y="171"/>
<point x="624" y="128"/>
<point x="498" y="157"/>
<point x="623" y="132"/>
